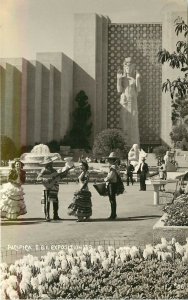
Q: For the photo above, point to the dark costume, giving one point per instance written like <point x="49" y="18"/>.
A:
<point x="12" y="202"/>
<point x="111" y="180"/>
<point x="50" y="192"/>
<point x="130" y="170"/>
<point x="81" y="206"/>
<point x="142" y="171"/>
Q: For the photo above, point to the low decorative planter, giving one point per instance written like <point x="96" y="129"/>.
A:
<point x="180" y="233"/>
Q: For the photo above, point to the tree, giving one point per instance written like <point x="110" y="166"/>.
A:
<point x="160" y="151"/>
<point x="110" y="140"/>
<point x="179" y="133"/>
<point x="54" y="146"/>
<point x="8" y="148"/>
<point x="179" y="60"/>
<point x="79" y="135"/>
<point x="179" y="109"/>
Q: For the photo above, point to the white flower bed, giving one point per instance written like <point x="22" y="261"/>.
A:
<point x="53" y="274"/>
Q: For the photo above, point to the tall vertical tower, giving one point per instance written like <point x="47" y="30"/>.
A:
<point x="91" y="64"/>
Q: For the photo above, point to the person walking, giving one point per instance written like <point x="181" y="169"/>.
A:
<point x="49" y="177"/>
<point x="130" y="170"/>
<point x="81" y="206"/>
<point x="142" y="171"/>
<point x="12" y="202"/>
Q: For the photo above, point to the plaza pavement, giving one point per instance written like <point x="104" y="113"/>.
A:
<point x="135" y="210"/>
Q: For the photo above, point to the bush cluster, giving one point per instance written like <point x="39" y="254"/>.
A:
<point x="156" y="272"/>
<point x="177" y="212"/>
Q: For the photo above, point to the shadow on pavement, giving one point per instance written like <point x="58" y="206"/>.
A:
<point x="31" y="221"/>
<point x="24" y="221"/>
<point x="125" y="219"/>
<point x="135" y="218"/>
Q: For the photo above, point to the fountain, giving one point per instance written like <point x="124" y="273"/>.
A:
<point x="32" y="163"/>
<point x="36" y="156"/>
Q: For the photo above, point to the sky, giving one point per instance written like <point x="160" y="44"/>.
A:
<point x="31" y="26"/>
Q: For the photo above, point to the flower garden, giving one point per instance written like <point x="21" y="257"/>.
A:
<point x="156" y="272"/>
<point x="177" y="212"/>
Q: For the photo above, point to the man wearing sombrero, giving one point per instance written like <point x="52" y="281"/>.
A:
<point x="49" y="177"/>
<point x="111" y="180"/>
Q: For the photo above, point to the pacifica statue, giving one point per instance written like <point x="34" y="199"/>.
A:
<point x="128" y="86"/>
<point x="135" y="156"/>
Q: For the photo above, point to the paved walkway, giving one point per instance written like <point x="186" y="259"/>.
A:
<point x="135" y="210"/>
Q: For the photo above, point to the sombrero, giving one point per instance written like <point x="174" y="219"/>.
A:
<point x="112" y="156"/>
<point x="47" y="160"/>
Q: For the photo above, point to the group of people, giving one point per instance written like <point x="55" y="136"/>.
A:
<point x="12" y="202"/>
<point x="142" y="170"/>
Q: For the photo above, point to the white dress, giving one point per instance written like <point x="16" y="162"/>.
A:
<point x="12" y="202"/>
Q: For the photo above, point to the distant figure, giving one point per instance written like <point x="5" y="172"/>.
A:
<point x="162" y="173"/>
<point x="130" y="170"/>
<point x="162" y="170"/>
<point x="142" y="171"/>
<point x="88" y="159"/>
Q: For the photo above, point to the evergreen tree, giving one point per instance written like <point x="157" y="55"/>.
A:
<point x="79" y="135"/>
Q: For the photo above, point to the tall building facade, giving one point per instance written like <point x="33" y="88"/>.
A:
<point x="37" y="97"/>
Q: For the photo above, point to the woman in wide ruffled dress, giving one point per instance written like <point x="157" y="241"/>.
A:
<point x="12" y="203"/>
<point x="81" y="207"/>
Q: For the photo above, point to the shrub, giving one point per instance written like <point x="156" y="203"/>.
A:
<point x="110" y="140"/>
<point x="156" y="272"/>
<point x="8" y="148"/>
<point x="177" y="212"/>
<point x="160" y="151"/>
<point x="179" y="133"/>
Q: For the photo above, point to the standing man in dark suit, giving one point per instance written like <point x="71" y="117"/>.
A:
<point x="142" y="171"/>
